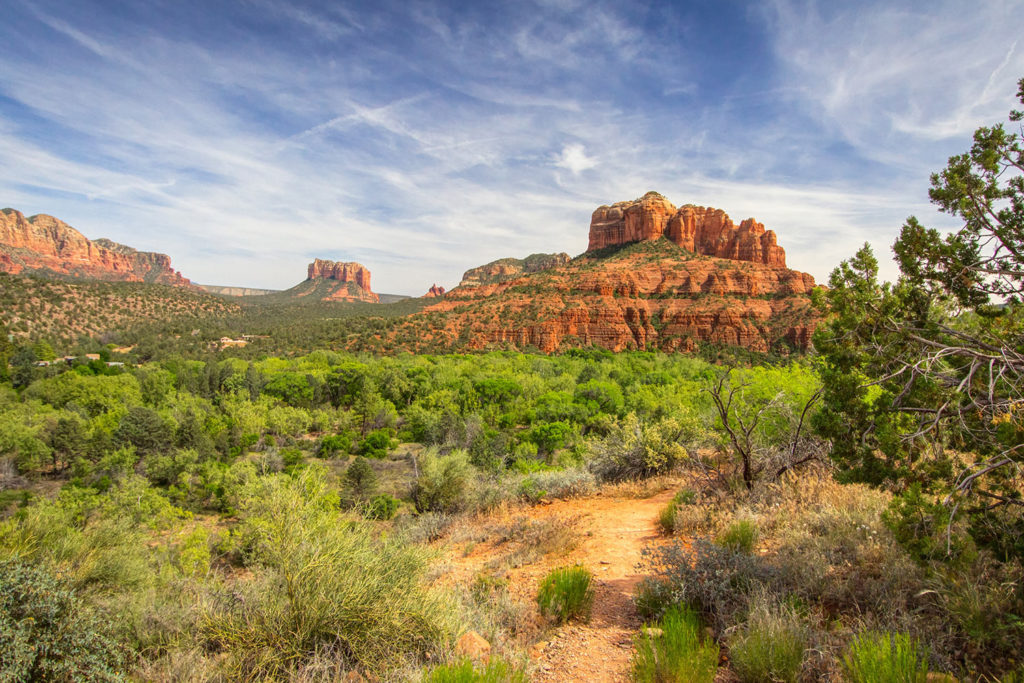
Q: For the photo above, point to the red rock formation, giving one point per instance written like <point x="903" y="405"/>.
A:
<point x="355" y="274"/>
<point x="435" y="292"/>
<point x="507" y="268"/>
<point x="705" y="231"/>
<point x="340" y="271"/>
<point x="655" y="295"/>
<point x="44" y="244"/>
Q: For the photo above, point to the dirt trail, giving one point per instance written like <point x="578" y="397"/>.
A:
<point x="612" y="532"/>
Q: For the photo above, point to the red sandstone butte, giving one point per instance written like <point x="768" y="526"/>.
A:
<point x="46" y="245"/>
<point x="705" y="231"/>
<point x="343" y="272"/>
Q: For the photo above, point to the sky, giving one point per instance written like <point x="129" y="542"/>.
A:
<point x="247" y="137"/>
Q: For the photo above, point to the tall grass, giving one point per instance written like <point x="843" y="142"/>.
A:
<point x="321" y="580"/>
<point x="679" y="654"/>
<point x="885" y="658"/>
<point x="771" y="645"/>
<point x="494" y="671"/>
<point x="741" y="536"/>
<point x="567" y="593"/>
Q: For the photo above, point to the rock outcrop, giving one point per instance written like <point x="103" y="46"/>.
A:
<point x="688" y="278"/>
<point x="352" y="281"/>
<point x="508" y="268"/>
<point x="42" y="244"/>
<point x="435" y="292"/>
<point x="705" y="231"/>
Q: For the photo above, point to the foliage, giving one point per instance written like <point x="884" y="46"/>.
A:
<point x="47" y="633"/>
<point x="567" y="593"/>
<point x="678" y="654"/>
<point x="493" y="671"/>
<point x="443" y="480"/>
<point x="382" y="507"/>
<point x="922" y="376"/>
<point x="771" y="645"/>
<point x="360" y="478"/>
<point x="320" y="579"/>
<point x="885" y="658"/>
<point x="635" y="448"/>
<point x="740" y="536"/>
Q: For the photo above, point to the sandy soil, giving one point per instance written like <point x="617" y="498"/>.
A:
<point x="611" y="532"/>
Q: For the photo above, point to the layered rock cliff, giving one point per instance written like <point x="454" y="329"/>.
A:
<point x="508" y="268"/>
<point x="45" y="245"/>
<point x="680" y="279"/>
<point x="705" y="231"/>
<point x="339" y="281"/>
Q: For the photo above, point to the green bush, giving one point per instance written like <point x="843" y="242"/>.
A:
<point x="47" y="633"/>
<point x="376" y="444"/>
<point x="320" y="579"/>
<point x="678" y="654"/>
<point x="634" y="448"/>
<point x="739" y="536"/>
<point x="360" y="478"/>
<point x="494" y="671"/>
<point x="885" y="658"/>
<point x="567" y="593"/>
<point x="667" y="518"/>
<point x="771" y="645"/>
<point x="382" y="507"/>
<point x="443" y="480"/>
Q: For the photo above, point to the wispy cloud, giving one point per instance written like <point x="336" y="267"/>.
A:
<point x="247" y="138"/>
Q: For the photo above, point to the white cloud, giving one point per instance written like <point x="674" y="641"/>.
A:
<point x="574" y="158"/>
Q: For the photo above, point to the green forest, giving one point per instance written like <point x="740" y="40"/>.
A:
<point x="293" y="511"/>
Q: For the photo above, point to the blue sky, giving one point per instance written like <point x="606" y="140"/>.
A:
<point x="246" y="137"/>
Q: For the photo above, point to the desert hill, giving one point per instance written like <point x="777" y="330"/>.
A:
<point x="509" y="268"/>
<point x="45" y="245"/>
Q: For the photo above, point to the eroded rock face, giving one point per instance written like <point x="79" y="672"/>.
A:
<point x="508" y="268"/>
<point x="43" y="244"/>
<point x="705" y="231"/>
<point x="631" y="301"/>
<point x="344" y="273"/>
<point x="435" y="292"/>
<point x="340" y="271"/>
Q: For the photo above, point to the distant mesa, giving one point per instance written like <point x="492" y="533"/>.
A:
<point x="511" y="268"/>
<point x="228" y="290"/>
<point x="435" y="292"/>
<point x="45" y="245"/>
<point x="705" y="231"/>
<point x="352" y="279"/>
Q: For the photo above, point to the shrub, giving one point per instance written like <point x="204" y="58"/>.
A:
<point x="360" y="478"/>
<point x="441" y="486"/>
<point x="739" y="536"/>
<point x="47" y="634"/>
<point x="567" y="593"/>
<point x="678" y="654"/>
<point x="376" y="444"/>
<point x="771" y="645"/>
<point x="635" y="449"/>
<point x="667" y="518"/>
<point x="568" y="483"/>
<point x="716" y="581"/>
<point x="320" y="579"/>
<point x="885" y="658"/>
<point x="494" y="671"/>
<point x="382" y="507"/>
<point x="685" y="497"/>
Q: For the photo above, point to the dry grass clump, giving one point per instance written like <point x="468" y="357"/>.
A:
<point x="795" y="569"/>
<point x="530" y="540"/>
